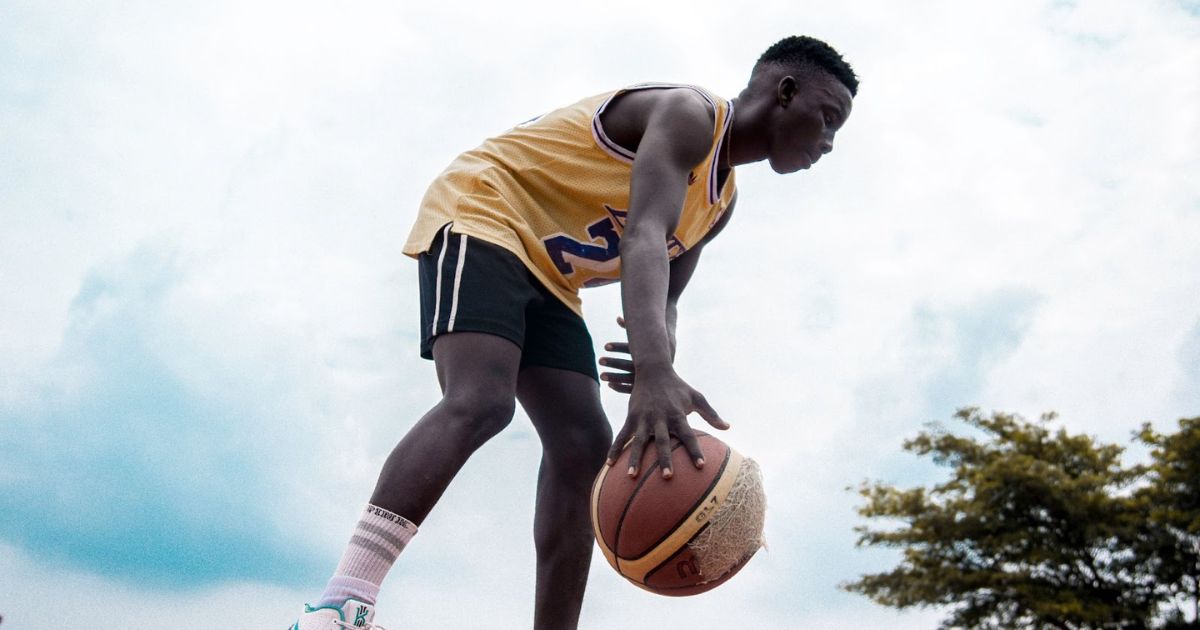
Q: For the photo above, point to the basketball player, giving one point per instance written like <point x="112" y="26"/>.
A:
<point x="625" y="186"/>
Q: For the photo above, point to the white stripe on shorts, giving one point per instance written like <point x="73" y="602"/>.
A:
<point x="437" y="291"/>
<point x="462" y="258"/>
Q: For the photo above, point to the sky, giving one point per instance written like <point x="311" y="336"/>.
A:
<point x="208" y="334"/>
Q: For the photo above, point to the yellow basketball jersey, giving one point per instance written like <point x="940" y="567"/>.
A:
<point x="554" y="191"/>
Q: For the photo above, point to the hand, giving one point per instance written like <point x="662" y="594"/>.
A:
<point x="621" y="379"/>
<point x="658" y="408"/>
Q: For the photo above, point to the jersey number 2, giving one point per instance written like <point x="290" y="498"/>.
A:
<point x="567" y="252"/>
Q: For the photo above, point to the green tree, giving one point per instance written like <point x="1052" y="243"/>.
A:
<point x="1035" y="528"/>
<point x="1171" y="532"/>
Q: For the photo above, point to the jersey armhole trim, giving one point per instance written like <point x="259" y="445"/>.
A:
<point x="625" y="155"/>
<point x="714" y="194"/>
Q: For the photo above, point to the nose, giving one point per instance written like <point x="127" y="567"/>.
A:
<point x="826" y="144"/>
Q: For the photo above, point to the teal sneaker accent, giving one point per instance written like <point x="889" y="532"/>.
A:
<point x="338" y="617"/>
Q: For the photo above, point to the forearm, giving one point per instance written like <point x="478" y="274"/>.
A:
<point x="672" y="317"/>
<point x="644" y="273"/>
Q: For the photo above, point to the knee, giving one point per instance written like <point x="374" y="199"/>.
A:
<point x="483" y="414"/>
<point x="578" y="450"/>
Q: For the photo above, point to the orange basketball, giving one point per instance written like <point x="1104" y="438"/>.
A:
<point x="684" y="535"/>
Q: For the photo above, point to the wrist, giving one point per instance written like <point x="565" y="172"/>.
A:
<point x="654" y="367"/>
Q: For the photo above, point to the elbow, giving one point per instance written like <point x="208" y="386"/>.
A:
<point x="638" y="238"/>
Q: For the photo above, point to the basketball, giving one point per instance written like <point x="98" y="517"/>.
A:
<point x="684" y="535"/>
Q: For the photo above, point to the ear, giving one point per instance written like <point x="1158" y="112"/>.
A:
<point x="786" y="90"/>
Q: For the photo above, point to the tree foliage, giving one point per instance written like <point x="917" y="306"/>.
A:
<point x="1040" y="528"/>
<point x="1171" y="534"/>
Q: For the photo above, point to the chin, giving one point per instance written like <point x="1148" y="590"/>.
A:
<point x="787" y="169"/>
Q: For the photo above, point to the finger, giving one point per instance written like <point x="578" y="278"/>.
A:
<point x="623" y="388"/>
<point x="620" y="321"/>
<point x="619" y="364"/>
<point x="710" y="415"/>
<point x="692" y="444"/>
<point x="635" y="454"/>
<point x="662" y="441"/>
<point x="617" y="346"/>
<point x="617" y="377"/>
<point x="618" y="444"/>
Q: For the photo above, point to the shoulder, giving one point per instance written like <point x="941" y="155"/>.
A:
<point x="682" y="118"/>
<point x="669" y="113"/>
<point x="681" y="108"/>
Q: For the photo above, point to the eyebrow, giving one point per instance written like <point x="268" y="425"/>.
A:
<point x="841" y="112"/>
<point x="838" y="106"/>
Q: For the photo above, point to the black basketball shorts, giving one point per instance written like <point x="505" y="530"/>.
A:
<point x="471" y="285"/>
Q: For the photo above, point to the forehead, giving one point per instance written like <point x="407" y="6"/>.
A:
<point x="832" y="92"/>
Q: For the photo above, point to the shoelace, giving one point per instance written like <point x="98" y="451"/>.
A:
<point x="367" y="626"/>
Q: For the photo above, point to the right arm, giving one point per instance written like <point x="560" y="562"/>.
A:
<point x="676" y="139"/>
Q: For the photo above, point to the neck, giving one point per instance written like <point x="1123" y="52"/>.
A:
<point x="749" y="146"/>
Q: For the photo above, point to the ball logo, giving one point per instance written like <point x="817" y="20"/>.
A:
<point x="707" y="510"/>
<point x="687" y="568"/>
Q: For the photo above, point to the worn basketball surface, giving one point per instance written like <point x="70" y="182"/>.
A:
<point x="684" y="535"/>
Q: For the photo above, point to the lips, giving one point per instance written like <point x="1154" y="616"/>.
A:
<point x="809" y="160"/>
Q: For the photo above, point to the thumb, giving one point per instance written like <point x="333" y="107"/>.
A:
<point x="710" y="415"/>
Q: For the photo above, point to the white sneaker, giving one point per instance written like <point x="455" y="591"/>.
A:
<point x="351" y="614"/>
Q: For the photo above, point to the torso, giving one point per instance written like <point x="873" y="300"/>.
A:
<point x="555" y="190"/>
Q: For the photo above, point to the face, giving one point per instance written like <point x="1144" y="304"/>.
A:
<point x="807" y="115"/>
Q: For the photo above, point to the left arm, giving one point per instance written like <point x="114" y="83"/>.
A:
<point x="684" y="266"/>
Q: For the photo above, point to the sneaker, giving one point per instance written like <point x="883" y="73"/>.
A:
<point x="351" y="614"/>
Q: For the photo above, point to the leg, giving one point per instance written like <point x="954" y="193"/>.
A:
<point x="484" y="291"/>
<point x="565" y="409"/>
<point x="478" y="375"/>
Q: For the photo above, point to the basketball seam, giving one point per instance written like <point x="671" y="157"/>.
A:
<point x="672" y="557"/>
<point x="594" y="515"/>
<point x="688" y="513"/>
<point x="625" y="510"/>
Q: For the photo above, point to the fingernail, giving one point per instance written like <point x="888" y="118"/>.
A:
<point x="632" y="472"/>
<point x="608" y="346"/>
<point x="700" y="463"/>
<point x="667" y="473"/>
<point x="608" y="462"/>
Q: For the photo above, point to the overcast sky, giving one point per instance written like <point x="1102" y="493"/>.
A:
<point x="208" y="335"/>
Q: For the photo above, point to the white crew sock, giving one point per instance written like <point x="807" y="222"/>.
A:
<point x="378" y="539"/>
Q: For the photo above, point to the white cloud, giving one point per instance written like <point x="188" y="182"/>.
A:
<point x="270" y="157"/>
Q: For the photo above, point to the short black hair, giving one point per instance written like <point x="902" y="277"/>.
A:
<point x="805" y="52"/>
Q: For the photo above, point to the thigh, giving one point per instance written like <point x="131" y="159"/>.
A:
<point x="564" y="406"/>
<point x="477" y="369"/>
<point x="556" y="337"/>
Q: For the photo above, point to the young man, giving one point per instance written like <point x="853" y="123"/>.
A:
<point x="630" y="186"/>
